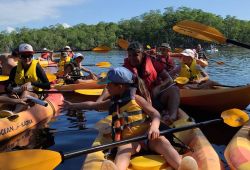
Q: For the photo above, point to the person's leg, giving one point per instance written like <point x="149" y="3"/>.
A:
<point x="162" y="146"/>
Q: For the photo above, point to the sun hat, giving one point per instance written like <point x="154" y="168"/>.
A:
<point x="67" y="48"/>
<point x="26" y="48"/>
<point x="44" y="49"/>
<point x="120" y="75"/>
<point x="166" y="45"/>
<point x="135" y="46"/>
<point x="78" y="55"/>
<point x="188" y="52"/>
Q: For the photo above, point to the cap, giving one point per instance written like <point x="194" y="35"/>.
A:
<point x="120" y="75"/>
<point x="45" y="49"/>
<point x="188" y="52"/>
<point x="25" y="48"/>
<point x="64" y="54"/>
<point x="166" y="45"/>
<point x="78" y="55"/>
<point x="135" y="46"/>
<point x="67" y="48"/>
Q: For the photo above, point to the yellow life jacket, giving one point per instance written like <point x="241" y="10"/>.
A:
<point x="190" y="72"/>
<point x="62" y="63"/>
<point x="29" y="76"/>
<point x="128" y="118"/>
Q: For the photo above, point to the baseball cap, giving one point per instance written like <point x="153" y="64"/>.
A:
<point x="78" y="55"/>
<point x="45" y="49"/>
<point x="135" y="46"/>
<point x="26" y="48"/>
<point x="67" y="48"/>
<point x="188" y="52"/>
<point x="120" y="75"/>
<point x="166" y="45"/>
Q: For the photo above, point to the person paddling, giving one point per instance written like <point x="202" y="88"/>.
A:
<point x="73" y="71"/>
<point x="27" y="76"/>
<point x="64" y="59"/>
<point x="67" y="49"/>
<point x="129" y="119"/>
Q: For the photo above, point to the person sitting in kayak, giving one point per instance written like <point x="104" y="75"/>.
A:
<point x="8" y="61"/>
<point x="73" y="71"/>
<point x="130" y="118"/>
<point x="197" y="77"/>
<point x="64" y="59"/>
<point x="67" y="49"/>
<point x="27" y="76"/>
<point x="46" y="55"/>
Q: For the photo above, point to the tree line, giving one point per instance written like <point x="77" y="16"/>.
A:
<point x="153" y="28"/>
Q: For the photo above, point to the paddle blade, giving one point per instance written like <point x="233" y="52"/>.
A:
<point x="29" y="160"/>
<point x="101" y="49"/>
<point x="181" y="80"/>
<point x="103" y="74"/>
<point x="123" y="44"/>
<point x="199" y="31"/>
<point x="103" y="64"/>
<point x="51" y="77"/>
<point x="4" y="78"/>
<point x="178" y="50"/>
<point x="234" y="117"/>
<point x="93" y="92"/>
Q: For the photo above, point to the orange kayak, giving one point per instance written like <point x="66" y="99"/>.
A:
<point x="237" y="152"/>
<point x="30" y="117"/>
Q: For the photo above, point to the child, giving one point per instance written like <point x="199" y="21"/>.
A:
<point x="128" y="108"/>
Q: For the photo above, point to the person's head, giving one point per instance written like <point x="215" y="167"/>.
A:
<point x="26" y="53"/>
<point x="15" y="53"/>
<point x="135" y="54"/>
<point x="164" y="48"/>
<point x="78" y="57"/>
<point x="67" y="48"/>
<point x="198" y="47"/>
<point x="118" y="80"/>
<point x="64" y="55"/>
<point x="187" y="56"/>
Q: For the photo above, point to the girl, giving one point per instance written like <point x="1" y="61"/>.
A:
<point x="129" y="119"/>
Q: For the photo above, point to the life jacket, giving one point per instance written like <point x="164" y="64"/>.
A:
<point x="149" y="74"/>
<point x="45" y="55"/>
<point x="126" y="115"/>
<point x="190" y="72"/>
<point x="166" y="60"/>
<point x="62" y="63"/>
<point x="29" y="76"/>
<point x="76" y="71"/>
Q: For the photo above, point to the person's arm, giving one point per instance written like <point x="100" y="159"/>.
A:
<point x="5" y="99"/>
<point x="44" y="84"/>
<point x="153" y="132"/>
<point x="103" y="105"/>
<point x="204" y="75"/>
<point x="104" y="96"/>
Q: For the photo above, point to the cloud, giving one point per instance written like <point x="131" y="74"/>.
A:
<point x="10" y="29"/>
<point x="65" y="25"/>
<point x="16" y="12"/>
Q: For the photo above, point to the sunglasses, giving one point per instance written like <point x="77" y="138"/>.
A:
<point x="24" y="56"/>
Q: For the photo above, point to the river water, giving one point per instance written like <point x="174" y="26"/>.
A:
<point x="70" y="132"/>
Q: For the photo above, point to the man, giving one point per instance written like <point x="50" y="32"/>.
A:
<point x="8" y="61"/>
<point x="27" y="76"/>
<point x="200" y="52"/>
<point x="73" y="70"/>
<point x="165" y="56"/>
<point x="165" y="94"/>
<point x="64" y="59"/>
<point x="69" y="51"/>
<point x="46" y="55"/>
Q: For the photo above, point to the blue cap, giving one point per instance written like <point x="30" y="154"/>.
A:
<point x="120" y="75"/>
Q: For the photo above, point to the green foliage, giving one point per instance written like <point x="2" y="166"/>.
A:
<point x="150" y="28"/>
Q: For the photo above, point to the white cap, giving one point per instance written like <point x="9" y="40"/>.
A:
<point x="45" y="49"/>
<point x="25" y="48"/>
<point x="67" y="47"/>
<point x="188" y="52"/>
<point x="78" y="55"/>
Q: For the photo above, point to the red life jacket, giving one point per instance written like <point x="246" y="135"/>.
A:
<point x="45" y="55"/>
<point x="166" y="60"/>
<point x="149" y="74"/>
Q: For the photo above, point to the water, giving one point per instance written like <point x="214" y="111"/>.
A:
<point x="69" y="132"/>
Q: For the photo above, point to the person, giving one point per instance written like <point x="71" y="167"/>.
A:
<point x="165" y="56"/>
<point x="27" y="75"/>
<point x="69" y="51"/>
<point x="73" y="70"/>
<point x="121" y="86"/>
<point x="64" y="59"/>
<point x="46" y="55"/>
<point x="8" y="61"/>
<point x="198" y="78"/>
<point x="200" y="52"/>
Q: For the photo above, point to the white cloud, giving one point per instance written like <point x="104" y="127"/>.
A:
<point x="16" y="12"/>
<point x="10" y="29"/>
<point x="65" y="25"/>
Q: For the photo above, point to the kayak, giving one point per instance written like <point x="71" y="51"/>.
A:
<point x="46" y="63"/>
<point x="237" y="152"/>
<point x="30" y="117"/>
<point x="204" y="154"/>
<point x="215" y="100"/>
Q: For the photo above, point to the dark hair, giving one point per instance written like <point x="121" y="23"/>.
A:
<point x="135" y="46"/>
<point x="15" y="52"/>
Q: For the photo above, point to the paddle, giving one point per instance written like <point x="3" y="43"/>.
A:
<point x="4" y="77"/>
<point x="204" y="32"/>
<point x="123" y="43"/>
<point x="47" y="159"/>
<point x="102" y="64"/>
<point x="100" y="49"/>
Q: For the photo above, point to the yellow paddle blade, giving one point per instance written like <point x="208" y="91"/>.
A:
<point x="178" y="50"/>
<point x="103" y="64"/>
<point x="93" y="92"/>
<point x="123" y="44"/>
<point x="199" y="31"/>
<point x="4" y="78"/>
<point x="51" y="77"/>
<point x="181" y="80"/>
<point x="103" y="74"/>
<point x="101" y="49"/>
<point x="148" y="162"/>
<point x="234" y="117"/>
<point x="148" y="47"/>
<point x="29" y="160"/>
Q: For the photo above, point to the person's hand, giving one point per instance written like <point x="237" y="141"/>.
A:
<point x="26" y="86"/>
<point x="20" y="101"/>
<point x="153" y="132"/>
<point x="66" y="106"/>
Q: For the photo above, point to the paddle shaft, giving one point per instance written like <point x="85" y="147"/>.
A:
<point x="118" y="143"/>
<point x="59" y="51"/>
<point x="81" y="65"/>
<point x="238" y="43"/>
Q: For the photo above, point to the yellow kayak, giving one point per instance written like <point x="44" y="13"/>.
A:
<point x="204" y="153"/>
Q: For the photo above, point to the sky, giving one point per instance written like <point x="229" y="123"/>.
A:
<point x="43" y="13"/>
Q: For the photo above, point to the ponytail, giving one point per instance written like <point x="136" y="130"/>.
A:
<point x="142" y="89"/>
